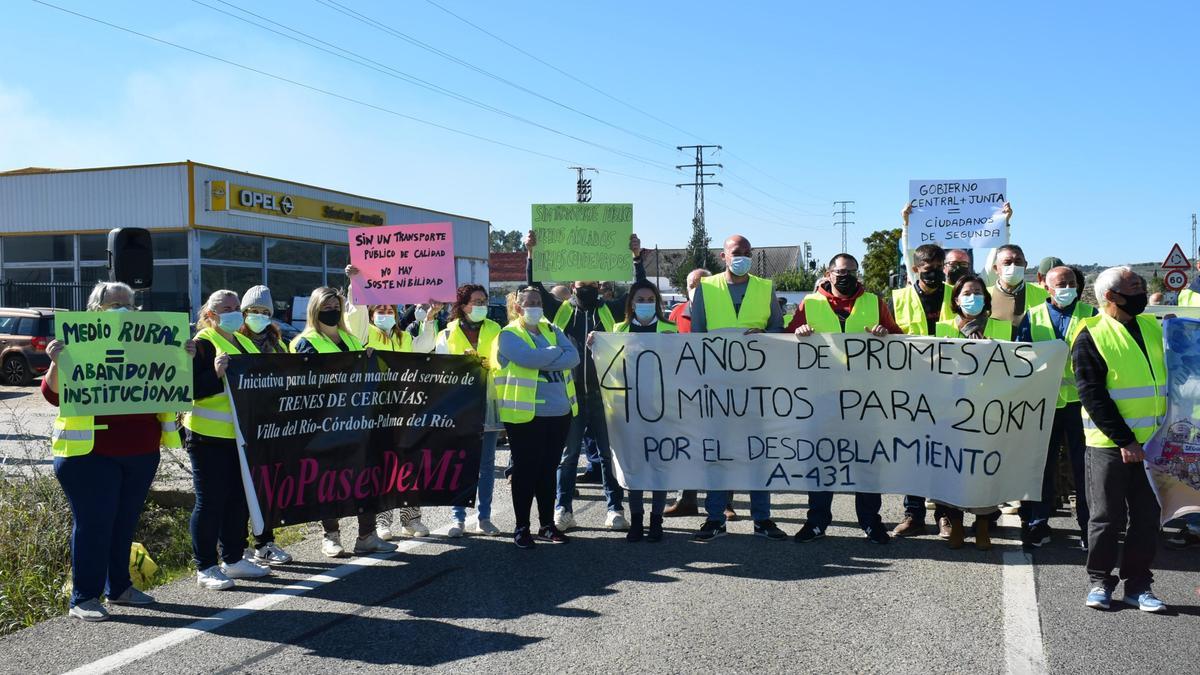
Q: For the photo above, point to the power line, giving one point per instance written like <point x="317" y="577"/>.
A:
<point x="777" y="180"/>
<point x="757" y="217"/>
<point x="841" y="214"/>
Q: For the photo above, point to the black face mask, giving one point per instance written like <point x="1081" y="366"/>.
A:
<point x="845" y="285"/>
<point x="589" y="296"/>
<point x="329" y="317"/>
<point x="933" y="277"/>
<point x="1134" y="304"/>
<point x="957" y="272"/>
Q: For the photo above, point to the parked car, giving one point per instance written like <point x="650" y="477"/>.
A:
<point x="24" y="334"/>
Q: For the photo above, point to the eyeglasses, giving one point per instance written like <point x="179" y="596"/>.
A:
<point x="844" y="273"/>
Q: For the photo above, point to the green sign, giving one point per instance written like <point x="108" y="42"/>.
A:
<point x="121" y="363"/>
<point x="582" y="242"/>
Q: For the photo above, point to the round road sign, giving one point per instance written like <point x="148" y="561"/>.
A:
<point x="1175" y="280"/>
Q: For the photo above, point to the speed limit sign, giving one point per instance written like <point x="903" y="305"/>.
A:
<point x="1175" y="280"/>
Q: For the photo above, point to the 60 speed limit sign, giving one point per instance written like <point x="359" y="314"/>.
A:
<point x="1175" y="280"/>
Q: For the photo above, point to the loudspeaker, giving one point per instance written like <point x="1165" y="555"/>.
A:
<point x="131" y="257"/>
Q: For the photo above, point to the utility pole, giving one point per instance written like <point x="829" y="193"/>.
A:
<point x="700" y="239"/>
<point x="583" y="187"/>
<point x="841" y="214"/>
<point x="807" y="254"/>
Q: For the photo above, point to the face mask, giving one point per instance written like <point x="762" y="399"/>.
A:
<point x="740" y="266"/>
<point x="971" y="304"/>
<point x="230" y="321"/>
<point x="478" y="313"/>
<point x="117" y="309"/>
<point x="533" y="315"/>
<point x="385" y="322"/>
<point x="1065" y="296"/>
<point x="421" y="314"/>
<point x="1012" y="275"/>
<point x="588" y="295"/>
<point x="644" y="311"/>
<point x="329" y="317"/>
<point x="1134" y="304"/>
<point x="845" y="285"/>
<point x="933" y="277"/>
<point x="257" y="322"/>
<point x="957" y="272"/>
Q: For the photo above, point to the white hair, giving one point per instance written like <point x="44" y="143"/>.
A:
<point x="1108" y="280"/>
<point x="104" y="289"/>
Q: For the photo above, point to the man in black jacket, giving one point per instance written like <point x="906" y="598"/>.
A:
<point x="585" y="311"/>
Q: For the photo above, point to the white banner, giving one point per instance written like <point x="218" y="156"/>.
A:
<point x="957" y="213"/>
<point x="962" y="421"/>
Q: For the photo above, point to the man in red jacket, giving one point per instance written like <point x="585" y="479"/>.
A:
<point x="681" y="316"/>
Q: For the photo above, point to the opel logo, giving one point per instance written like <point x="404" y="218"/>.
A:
<point x="285" y="205"/>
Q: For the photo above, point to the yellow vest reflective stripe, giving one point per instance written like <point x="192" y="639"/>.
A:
<point x="457" y="342"/>
<point x="566" y="310"/>
<point x="659" y="327"/>
<point x="1041" y="329"/>
<point x="754" y="312"/>
<point x="819" y="314"/>
<point x="995" y="329"/>
<point x="1137" y="384"/>
<point x="910" y="313"/>
<point x="516" y="387"/>
<point x="398" y="341"/>
<point x="1188" y="298"/>
<point x="75" y="436"/>
<point x="324" y="345"/>
<point x="212" y="415"/>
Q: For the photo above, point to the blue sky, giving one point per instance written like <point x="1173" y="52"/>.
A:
<point x="1088" y="109"/>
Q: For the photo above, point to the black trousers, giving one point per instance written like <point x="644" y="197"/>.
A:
<point x="1120" y="493"/>
<point x="536" y="449"/>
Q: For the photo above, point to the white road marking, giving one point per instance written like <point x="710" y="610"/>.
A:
<point x="1024" y="651"/>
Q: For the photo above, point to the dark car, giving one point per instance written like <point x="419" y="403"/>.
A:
<point x="498" y="312"/>
<point x="24" y="334"/>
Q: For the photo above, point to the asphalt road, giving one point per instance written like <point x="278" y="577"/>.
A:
<point x="599" y="604"/>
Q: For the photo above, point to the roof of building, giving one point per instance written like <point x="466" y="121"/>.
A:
<point x="506" y="266"/>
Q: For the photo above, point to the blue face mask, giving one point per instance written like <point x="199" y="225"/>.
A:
<point x="385" y="322"/>
<point x="231" y="321"/>
<point x="1065" y="296"/>
<point x="971" y="304"/>
<point x="644" y="311"/>
<point x="117" y="309"/>
<point x="740" y="266"/>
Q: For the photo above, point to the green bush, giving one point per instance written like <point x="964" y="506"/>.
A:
<point x="35" y="551"/>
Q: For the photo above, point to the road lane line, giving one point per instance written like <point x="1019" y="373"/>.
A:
<point x="1024" y="650"/>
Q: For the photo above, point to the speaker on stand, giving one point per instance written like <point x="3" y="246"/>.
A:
<point x="131" y="259"/>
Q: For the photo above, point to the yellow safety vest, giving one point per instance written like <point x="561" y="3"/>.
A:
<point x="398" y="341"/>
<point x="1137" y="384"/>
<point x="1034" y="296"/>
<point x="994" y="330"/>
<point x="819" y="314"/>
<point x="1041" y="329"/>
<point x="324" y="345"/>
<point x="660" y="327"/>
<point x="457" y="342"/>
<point x="910" y="313"/>
<point x="75" y="436"/>
<point x="566" y="310"/>
<point x="754" y="312"/>
<point x="516" y="386"/>
<point x="1188" y="298"/>
<point x="212" y="415"/>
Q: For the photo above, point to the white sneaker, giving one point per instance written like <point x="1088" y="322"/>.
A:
<point x="270" y="554"/>
<point x="1010" y="508"/>
<point x="90" y="611"/>
<point x="384" y="533"/>
<point x="616" y="521"/>
<point x="564" y="520"/>
<point x="456" y="529"/>
<point x="485" y="527"/>
<point x="213" y="579"/>
<point x="244" y="569"/>
<point x="372" y="544"/>
<point x="331" y="546"/>
<point x="415" y="528"/>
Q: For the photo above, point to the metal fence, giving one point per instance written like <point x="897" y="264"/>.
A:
<point x="73" y="297"/>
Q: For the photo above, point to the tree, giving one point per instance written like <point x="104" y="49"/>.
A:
<point x="506" y="241"/>
<point x="882" y="259"/>
<point x="796" y="280"/>
<point x="698" y="254"/>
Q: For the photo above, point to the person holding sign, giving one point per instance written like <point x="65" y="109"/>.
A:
<point x="681" y="316"/>
<point x="325" y="333"/>
<point x="1059" y="318"/>
<point x="736" y="301"/>
<point x="1121" y="373"/>
<point x="585" y="312"/>
<point x="220" y="513"/>
<point x="105" y="465"/>
<point x="842" y="305"/>
<point x="471" y="332"/>
<point x="535" y="399"/>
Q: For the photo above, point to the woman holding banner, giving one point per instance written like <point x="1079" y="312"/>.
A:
<point x="105" y="465"/>
<point x="325" y="333"/>
<point x="535" y="399"/>
<point x="220" y="513"/>
<point x="643" y="306"/>
<point x="972" y="305"/>
<point x="471" y="332"/>
<point x="257" y="308"/>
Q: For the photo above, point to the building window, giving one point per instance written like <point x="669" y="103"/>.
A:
<point x="170" y="292"/>
<point x="53" y="248"/>
<point x="288" y="252"/>
<point x="227" y="277"/>
<point x="337" y="257"/>
<point x="169" y="245"/>
<point x="232" y="247"/>
<point x="93" y="247"/>
<point x="286" y="285"/>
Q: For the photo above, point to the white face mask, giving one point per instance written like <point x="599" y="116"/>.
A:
<point x="533" y="315"/>
<point x="385" y="322"/>
<point x="478" y="313"/>
<point x="257" y="322"/>
<point x="1065" y="296"/>
<point x="421" y="314"/>
<point x="1012" y="275"/>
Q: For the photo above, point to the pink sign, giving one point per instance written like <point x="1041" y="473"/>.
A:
<point x="403" y="264"/>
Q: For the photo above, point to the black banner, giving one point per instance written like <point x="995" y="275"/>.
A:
<point x="333" y="435"/>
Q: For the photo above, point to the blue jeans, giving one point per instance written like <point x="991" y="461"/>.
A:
<point x="592" y="451"/>
<point x="220" y="513"/>
<point x="487" y="479"/>
<point x="1068" y="428"/>
<point x="591" y="420"/>
<point x="106" y="496"/>
<point x="866" y="507"/>
<point x="715" y="502"/>
<point x="658" y="502"/>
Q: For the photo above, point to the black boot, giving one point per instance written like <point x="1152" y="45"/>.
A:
<point x="656" y="532"/>
<point x="635" y="528"/>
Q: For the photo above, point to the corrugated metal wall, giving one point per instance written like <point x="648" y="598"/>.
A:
<point x="153" y="197"/>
